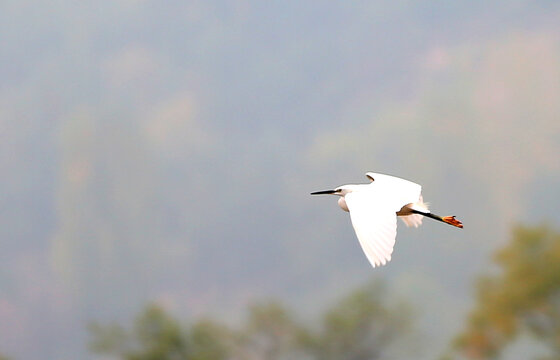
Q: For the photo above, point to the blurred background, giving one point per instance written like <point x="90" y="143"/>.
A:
<point x="157" y="159"/>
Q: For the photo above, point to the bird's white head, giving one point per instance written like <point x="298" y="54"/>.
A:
<point x="340" y="191"/>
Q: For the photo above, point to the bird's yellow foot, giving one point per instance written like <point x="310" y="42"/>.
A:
<point x="452" y="221"/>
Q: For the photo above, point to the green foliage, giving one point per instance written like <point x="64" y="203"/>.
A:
<point x="155" y="335"/>
<point x="524" y="296"/>
<point x="209" y="341"/>
<point x="270" y="332"/>
<point x="108" y="338"/>
<point x="361" y="326"/>
<point x="160" y="336"/>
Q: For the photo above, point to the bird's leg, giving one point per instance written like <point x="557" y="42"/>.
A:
<point x="446" y="219"/>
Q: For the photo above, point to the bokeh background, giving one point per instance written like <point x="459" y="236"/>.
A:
<point x="163" y="152"/>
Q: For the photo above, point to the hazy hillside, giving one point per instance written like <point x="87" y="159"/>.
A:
<point x="164" y="151"/>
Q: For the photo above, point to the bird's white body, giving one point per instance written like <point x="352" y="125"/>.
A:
<point x="374" y="208"/>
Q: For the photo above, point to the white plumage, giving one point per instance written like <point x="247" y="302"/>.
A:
<point x="374" y="208"/>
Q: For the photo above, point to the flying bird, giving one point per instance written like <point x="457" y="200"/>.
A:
<point x="374" y="208"/>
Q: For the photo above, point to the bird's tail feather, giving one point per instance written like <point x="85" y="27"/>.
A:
<point x="415" y="220"/>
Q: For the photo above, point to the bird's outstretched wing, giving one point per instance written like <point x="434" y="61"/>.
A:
<point x="375" y="225"/>
<point x="402" y="191"/>
<point x="373" y="212"/>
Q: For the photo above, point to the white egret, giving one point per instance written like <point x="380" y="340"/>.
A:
<point x="374" y="208"/>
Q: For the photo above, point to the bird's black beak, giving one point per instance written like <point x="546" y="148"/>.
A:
<point x="325" y="192"/>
